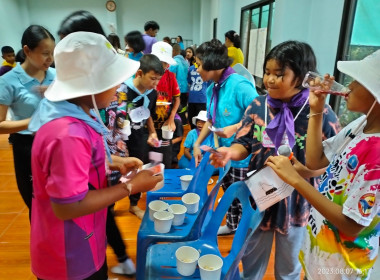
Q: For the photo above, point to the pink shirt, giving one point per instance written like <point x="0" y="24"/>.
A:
<point x="68" y="158"/>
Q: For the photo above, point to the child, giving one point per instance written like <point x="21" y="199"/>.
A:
<point x="151" y="29"/>
<point x="180" y="70"/>
<point x="8" y="54"/>
<point x="134" y="45"/>
<point x="278" y="118"/>
<point x="177" y="140"/>
<point x="190" y="56"/>
<point x="228" y="96"/>
<point x="343" y="230"/>
<point x="70" y="190"/>
<point x="168" y="100"/>
<point x="114" y="39"/>
<point x="198" y="121"/>
<point x="140" y="103"/>
<point x="197" y="93"/>
<point x="19" y="91"/>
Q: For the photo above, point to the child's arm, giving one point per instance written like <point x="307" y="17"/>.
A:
<point x="152" y="139"/>
<point x="96" y="200"/>
<point x="11" y="126"/>
<point x="228" y="131"/>
<point x="124" y="164"/>
<point x="187" y="154"/>
<point x="235" y="152"/>
<point x="177" y="139"/>
<point x="331" y="211"/>
<point x="170" y="120"/>
<point x="202" y="136"/>
<point x="315" y="157"/>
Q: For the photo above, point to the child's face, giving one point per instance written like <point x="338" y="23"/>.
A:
<point x="359" y="99"/>
<point x="189" y="54"/>
<point x="200" y="124"/>
<point x="103" y="99"/>
<point x="205" y="75"/>
<point x="41" y="57"/>
<point x="128" y="48"/>
<point x="148" y="80"/>
<point x="9" y="57"/>
<point x="151" y="32"/>
<point x="279" y="84"/>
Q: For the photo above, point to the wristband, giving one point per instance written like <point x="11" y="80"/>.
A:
<point x="312" y="115"/>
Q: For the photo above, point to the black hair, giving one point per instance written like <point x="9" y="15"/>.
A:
<point x="114" y="40"/>
<point x="297" y="56"/>
<point x="176" y="48"/>
<point x="167" y="40"/>
<point x="150" y="62"/>
<point x="180" y="38"/>
<point x="192" y="59"/>
<point x="151" y="25"/>
<point x="234" y="38"/>
<point x="80" y="21"/>
<point x="7" y="49"/>
<point x="20" y="56"/>
<point x="183" y="53"/>
<point x="214" y="55"/>
<point x="33" y="35"/>
<point x="135" y="40"/>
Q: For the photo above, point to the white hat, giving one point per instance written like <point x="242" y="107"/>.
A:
<point x="202" y="115"/>
<point x="365" y="71"/>
<point x="86" y="64"/>
<point x="164" y="52"/>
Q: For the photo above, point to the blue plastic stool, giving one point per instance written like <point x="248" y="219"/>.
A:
<point x="161" y="260"/>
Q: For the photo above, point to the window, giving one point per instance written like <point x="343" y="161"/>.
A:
<point x="255" y="30"/>
<point x="360" y="36"/>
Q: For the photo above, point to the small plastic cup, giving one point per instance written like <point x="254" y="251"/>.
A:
<point x="156" y="169"/>
<point x="210" y="267"/>
<point x="155" y="206"/>
<point x="185" y="181"/>
<point x="126" y="130"/>
<point x="167" y="133"/>
<point x="315" y="81"/>
<point x="187" y="258"/>
<point x="179" y="212"/>
<point x="191" y="201"/>
<point x="163" y="221"/>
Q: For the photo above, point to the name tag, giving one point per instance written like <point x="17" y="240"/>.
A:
<point x="267" y="142"/>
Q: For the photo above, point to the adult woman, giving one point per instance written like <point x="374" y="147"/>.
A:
<point x="21" y="90"/>
<point x="232" y="42"/>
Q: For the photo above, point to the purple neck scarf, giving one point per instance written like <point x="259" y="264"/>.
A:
<point x="215" y="92"/>
<point x="284" y="120"/>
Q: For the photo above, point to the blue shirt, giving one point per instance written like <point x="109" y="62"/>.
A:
<point x="17" y="91"/>
<point x="180" y="70"/>
<point x="197" y="90"/>
<point x="136" y="56"/>
<point x="192" y="136"/>
<point x="235" y="95"/>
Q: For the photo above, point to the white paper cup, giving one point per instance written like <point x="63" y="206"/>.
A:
<point x="178" y="211"/>
<point x="166" y="133"/>
<point x="156" y="205"/>
<point x="210" y="267"/>
<point x="163" y="221"/>
<point x="185" y="181"/>
<point x="160" y="184"/>
<point x="191" y="201"/>
<point x="126" y="130"/>
<point x="187" y="258"/>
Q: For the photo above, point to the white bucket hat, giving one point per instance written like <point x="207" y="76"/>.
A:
<point x="365" y="72"/>
<point x="164" y="52"/>
<point x="202" y="115"/>
<point x="87" y="64"/>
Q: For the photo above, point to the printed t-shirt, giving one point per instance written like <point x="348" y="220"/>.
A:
<point x="66" y="164"/>
<point x="352" y="180"/>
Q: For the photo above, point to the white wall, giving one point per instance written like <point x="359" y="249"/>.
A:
<point x="175" y="17"/>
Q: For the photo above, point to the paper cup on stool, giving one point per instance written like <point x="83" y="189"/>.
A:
<point x="210" y="267"/>
<point x="163" y="221"/>
<point x="167" y="133"/>
<point x="178" y="211"/>
<point x="156" y="205"/>
<point x="191" y="201"/>
<point x="187" y="258"/>
<point x="185" y="181"/>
